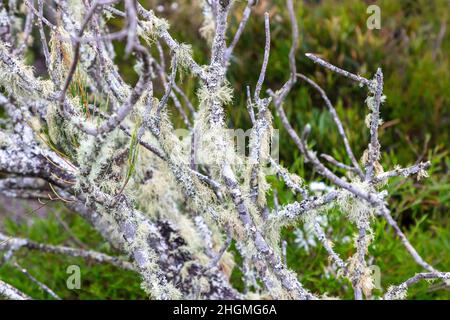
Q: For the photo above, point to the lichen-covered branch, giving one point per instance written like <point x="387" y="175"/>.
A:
<point x="9" y="292"/>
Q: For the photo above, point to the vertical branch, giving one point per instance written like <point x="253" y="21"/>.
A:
<point x="42" y="34"/>
<point x="374" y="145"/>
<point x="284" y="91"/>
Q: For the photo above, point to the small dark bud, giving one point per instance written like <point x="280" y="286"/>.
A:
<point x="224" y="3"/>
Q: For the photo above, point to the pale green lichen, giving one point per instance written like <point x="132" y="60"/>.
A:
<point x="76" y="9"/>
<point x="61" y="53"/>
<point x="208" y="28"/>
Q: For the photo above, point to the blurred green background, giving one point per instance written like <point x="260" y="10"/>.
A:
<point x="412" y="47"/>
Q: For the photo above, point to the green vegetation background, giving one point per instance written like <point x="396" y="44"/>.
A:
<point x="415" y="61"/>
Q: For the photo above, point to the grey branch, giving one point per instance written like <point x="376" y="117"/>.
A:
<point x="112" y="155"/>
<point x="11" y="293"/>
<point x="8" y="242"/>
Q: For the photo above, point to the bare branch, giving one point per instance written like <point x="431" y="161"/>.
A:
<point x="73" y="252"/>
